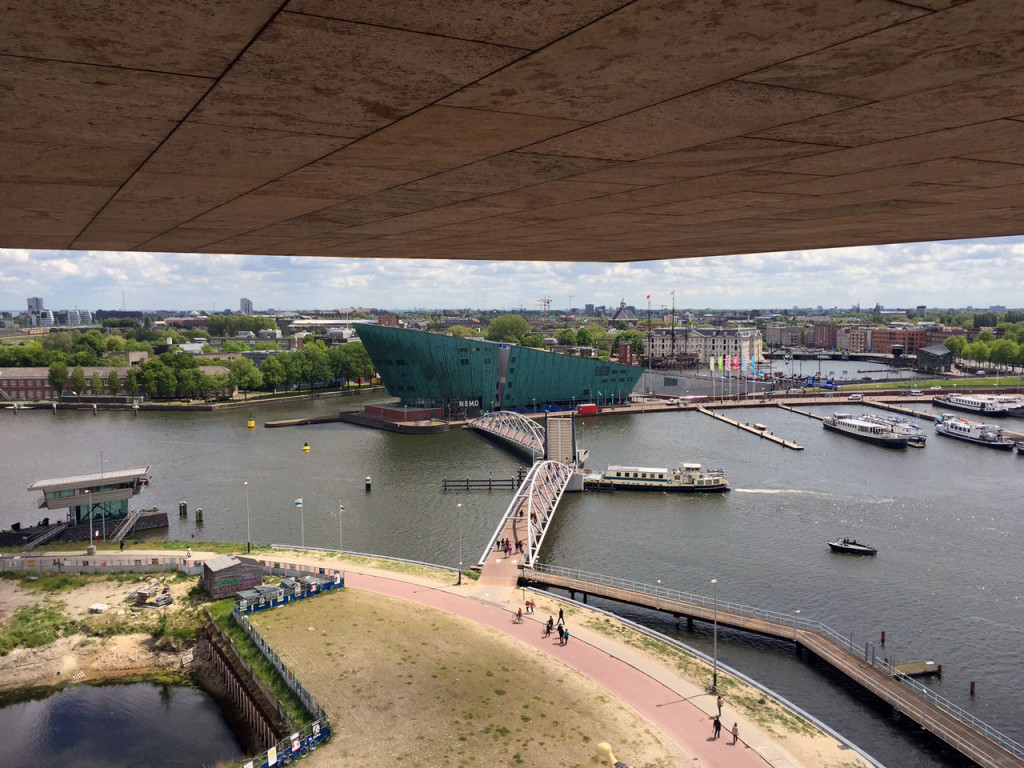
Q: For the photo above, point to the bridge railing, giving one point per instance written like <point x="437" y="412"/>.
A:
<point x="797" y="622"/>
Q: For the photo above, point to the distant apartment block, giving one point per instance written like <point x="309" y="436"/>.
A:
<point x="245" y="306"/>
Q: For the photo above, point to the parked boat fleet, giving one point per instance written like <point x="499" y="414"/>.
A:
<point x="989" y="405"/>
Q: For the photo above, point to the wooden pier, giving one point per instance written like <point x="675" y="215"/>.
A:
<point x="761" y="433"/>
<point x="961" y="731"/>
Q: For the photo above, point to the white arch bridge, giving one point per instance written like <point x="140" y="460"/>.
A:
<point x="555" y="439"/>
<point x="526" y="521"/>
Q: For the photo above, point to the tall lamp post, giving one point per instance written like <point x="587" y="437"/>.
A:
<point x="714" y="675"/>
<point x="460" y="542"/>
<point x="248" y="526"/>
<point x="341" y="541"/>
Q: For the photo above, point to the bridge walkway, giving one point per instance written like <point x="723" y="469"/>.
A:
<point x="958" y="728"/>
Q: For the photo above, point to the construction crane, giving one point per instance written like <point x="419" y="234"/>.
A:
<point x="545" y="303"/>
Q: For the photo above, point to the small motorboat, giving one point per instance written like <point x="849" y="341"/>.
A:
<point x="851" y="547"/>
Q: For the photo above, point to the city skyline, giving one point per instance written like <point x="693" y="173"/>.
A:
<point x="962" y="273"/>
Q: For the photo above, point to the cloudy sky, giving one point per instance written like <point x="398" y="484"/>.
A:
<point x="978" y="273"/>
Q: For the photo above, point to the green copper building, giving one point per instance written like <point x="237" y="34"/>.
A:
<point x="463" y="375"/>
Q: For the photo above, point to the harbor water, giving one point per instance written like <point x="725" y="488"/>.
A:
<point x="947" y="520"/>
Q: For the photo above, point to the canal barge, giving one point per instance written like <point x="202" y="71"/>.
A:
<point x="684" y="479"/>
<point x="901" y="425"/>
<point x="862" y="429"/>
<point x="989" y="405"/>
<point x="989" y="435"/>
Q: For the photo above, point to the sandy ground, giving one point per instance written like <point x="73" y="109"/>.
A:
<point x="79" y="658"/>
<point x="417" y="686"/>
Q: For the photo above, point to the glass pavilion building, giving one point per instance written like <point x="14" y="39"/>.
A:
<point x="430" y="370"/>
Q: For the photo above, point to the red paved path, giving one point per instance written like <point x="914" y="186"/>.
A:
<point x="687" y="722"/>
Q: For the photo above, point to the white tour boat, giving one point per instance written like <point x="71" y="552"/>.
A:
<point x="687" y="478"/>
<point x="989" y="405"/>
<point x="901" y="425"/>
<point x="863" y="429"/>
<point x="989" y="435"/>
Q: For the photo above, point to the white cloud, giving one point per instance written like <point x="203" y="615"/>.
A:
<point x="944" y="274"/>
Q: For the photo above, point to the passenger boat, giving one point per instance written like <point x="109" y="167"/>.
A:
<point x="1020" y="448"/>
<point x="990" y="405"/>
<point x="687" y="478"/>
<point x="1014" y="404"/>
<point x="989" y="435"/>
<point x="862" y="429"/>
<point x="901" y="425"/>
<point x="851" y="547"/>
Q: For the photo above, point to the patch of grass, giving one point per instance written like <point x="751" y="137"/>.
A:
<point x="34" y="626"/>
<point x="220" y="612"/>
<point x="50" y="583"/>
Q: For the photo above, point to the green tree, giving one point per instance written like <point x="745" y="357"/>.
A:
<point x="566" y="337"/>
<point x="508" y="328"/>
<point x="274" y="373"/>
<point x="459" y="331"/>
<point x="1004" y="352"/>
<point x="58" y="378"/>
<point x="244" y="375"/>
<point x="131" y="382"/>
<point x="234" y="346"/>
<point x="635" y="338"/>
<point x="976" y="351"/>
<point x="532" y="340"/>
<point x="78" y="379"/>
<point x="583" y="338"/>
<point x="96" y="383"/>
<point x="113" y="382"/>
<point x="955" y="344"/>
<point x="986" y="336"/>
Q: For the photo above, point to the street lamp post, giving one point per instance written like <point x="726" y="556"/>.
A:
<point x="248" y="526"/>
<point x="341" y="512"/>
<point x="714" y="675"/>
<point x="797" y="619"/>
<point x="657" y="598"/>
<point x="460" y="542"/>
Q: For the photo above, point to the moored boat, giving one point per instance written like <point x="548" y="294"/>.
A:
<point x="1020" y="448"/>
<point x="687" y="478"/>
<point x="989" y="405"/>
<point x="851" y="547"/>
<point x="862" y="429"/>
<point x="901" y="425"/>
<point x="989" y="435"/>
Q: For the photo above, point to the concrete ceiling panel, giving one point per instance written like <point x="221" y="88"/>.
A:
<point x="646" y="53"/>
<point x="314" y="75"/>
<point x="714" y="114"/>
<point x="528" y="24"/>
<point x="602" y="130"/>
<point x="965" y="43"/>
<point x="194" y="37"/>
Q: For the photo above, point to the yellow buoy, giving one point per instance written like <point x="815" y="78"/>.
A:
<point x="305" y="446"/>
<point x="251" y="423"/>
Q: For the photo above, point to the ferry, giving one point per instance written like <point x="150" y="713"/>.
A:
<point x="989" y="435"/>
<point x="862" y="429"/>
<point x="901" y="425"/>
<point x="989" y="405"/>
<point x="1013" y="403"/>
<point x="687" y="478"/>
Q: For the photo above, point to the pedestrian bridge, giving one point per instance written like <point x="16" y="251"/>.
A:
<point x="554" y="440"/>
<point x="526" y="520"/>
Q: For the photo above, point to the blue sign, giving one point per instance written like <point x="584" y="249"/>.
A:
<point x="809" y="381"/>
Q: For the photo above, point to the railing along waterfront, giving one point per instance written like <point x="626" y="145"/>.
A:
<point x="812" y="627"/>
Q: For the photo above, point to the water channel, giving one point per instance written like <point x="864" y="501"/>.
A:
<point x="946" y="585"/>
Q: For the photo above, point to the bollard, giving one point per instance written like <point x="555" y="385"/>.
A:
<point x="368" y="484"/>
<point x="182" y="509"/>
<point x="199" y="514"/>
<point x="883" y="639"/>
<point x="972" y="688"/>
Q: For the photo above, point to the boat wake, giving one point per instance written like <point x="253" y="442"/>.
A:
<point x="777" y="491"/>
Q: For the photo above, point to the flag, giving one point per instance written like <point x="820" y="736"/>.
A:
<point x="648" y="297"/>
<point x="298" y="502"/>
<point x="341" y="508"/>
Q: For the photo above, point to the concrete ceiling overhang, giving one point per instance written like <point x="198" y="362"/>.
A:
<point x="596" y="130"/>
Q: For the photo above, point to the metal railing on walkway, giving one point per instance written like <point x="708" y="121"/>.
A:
<point x="803" y="631"/>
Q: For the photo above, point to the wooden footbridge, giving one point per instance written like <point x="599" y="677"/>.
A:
<point x="960" y="730"/>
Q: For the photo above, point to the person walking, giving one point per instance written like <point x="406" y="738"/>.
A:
<point x="188" y="552"/>
<point x="716" y="728"/>
<point x="565" y="636"/>
<point x="719" y="706"/>
<point x="549" y="626"/>
<point x="561" y="635"/>
<point x="561" y="617"/>
<point x="519" y="616"/>
<point x="735" y="732"/>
